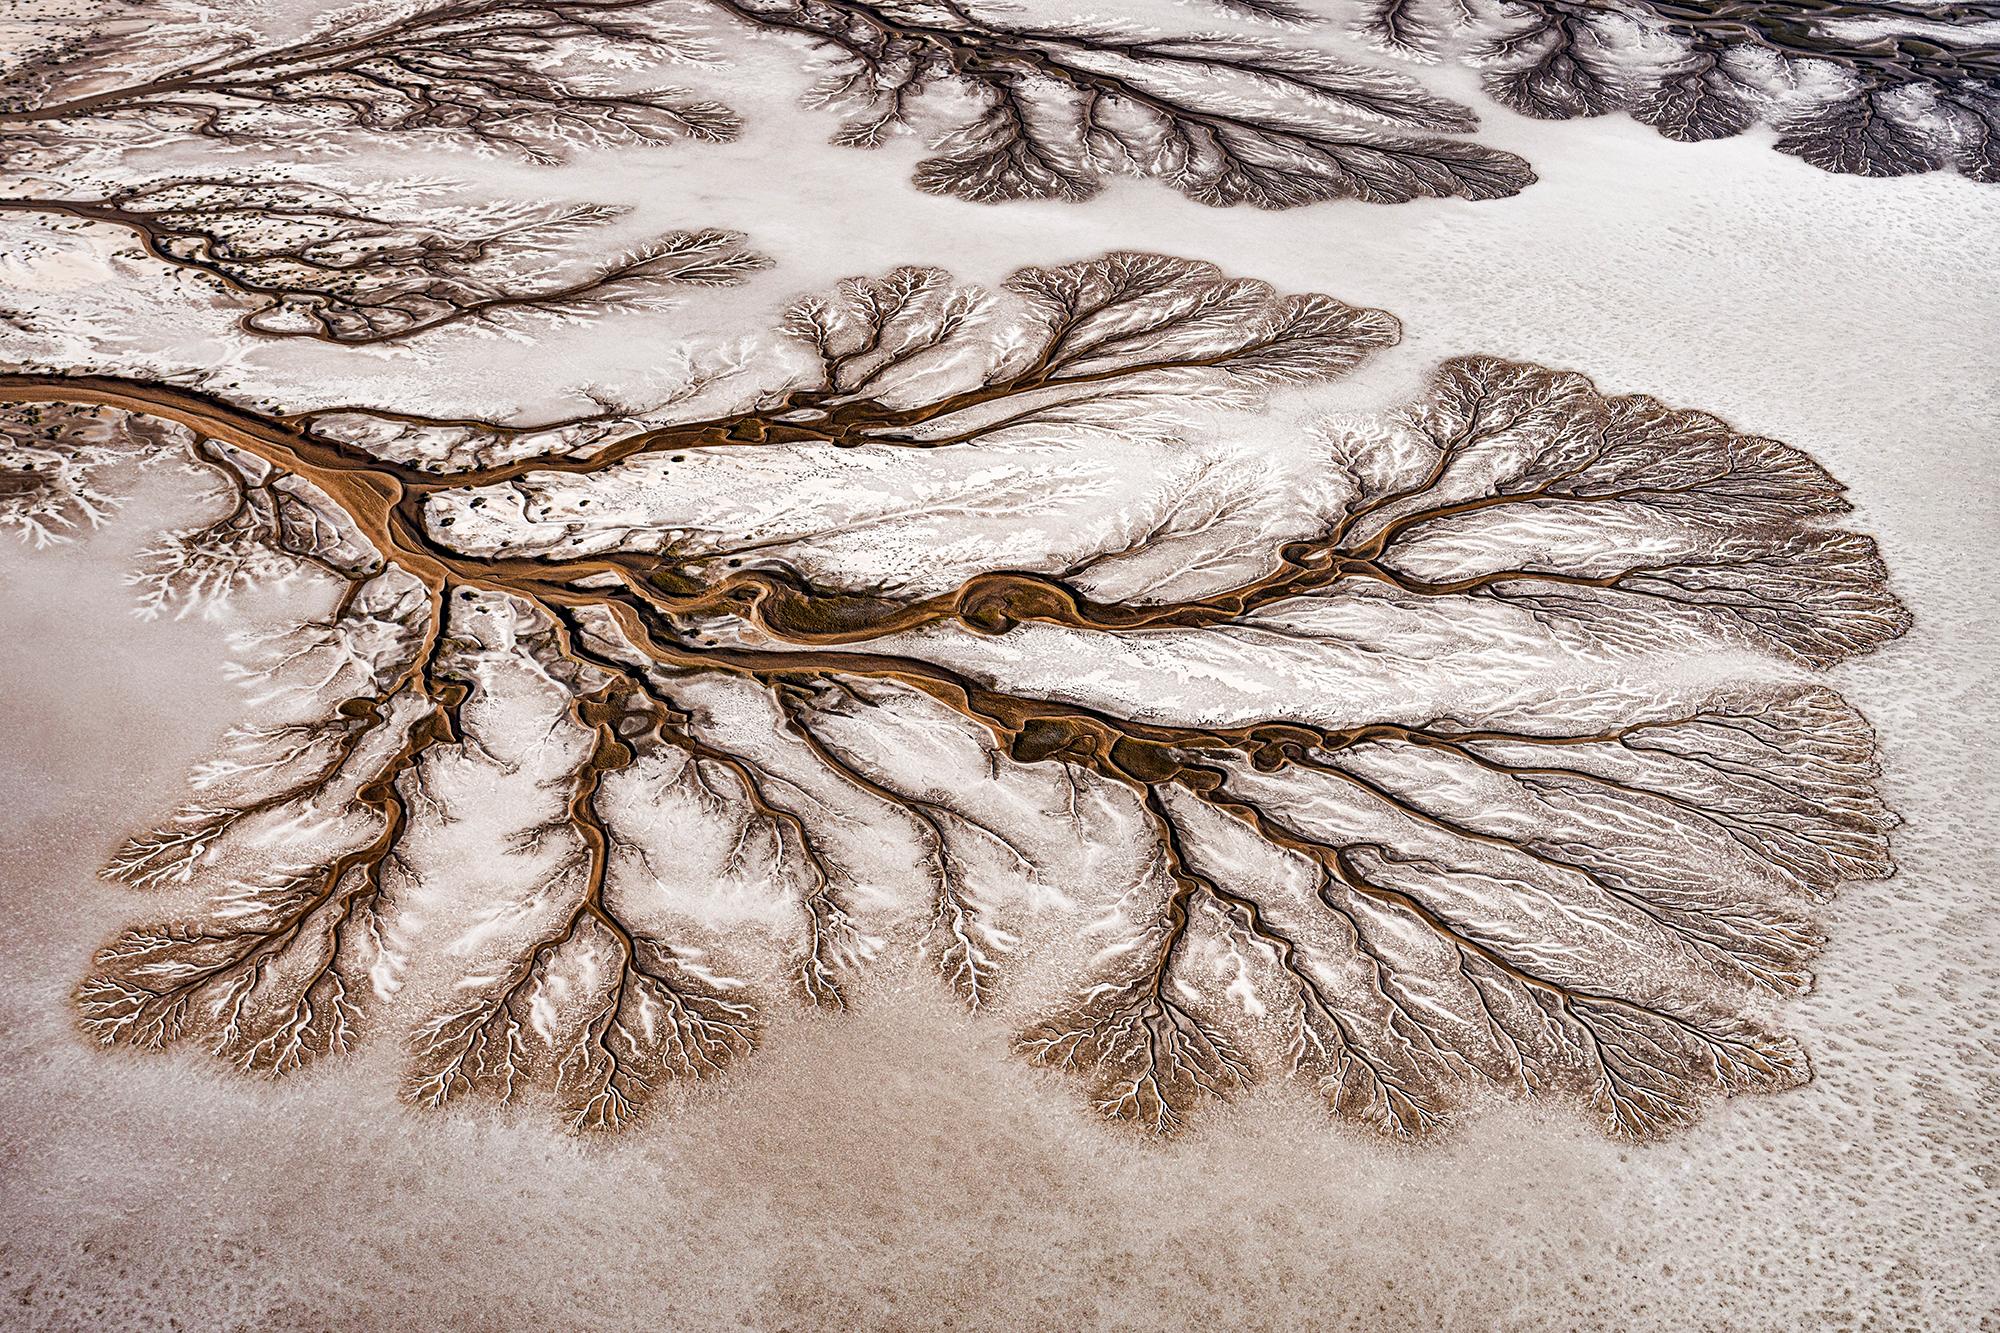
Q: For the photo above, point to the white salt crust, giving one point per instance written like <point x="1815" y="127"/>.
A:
<point x="897" y="1167"/>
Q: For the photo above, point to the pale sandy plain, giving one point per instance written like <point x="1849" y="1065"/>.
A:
<point x="897" y="1167"/>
